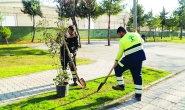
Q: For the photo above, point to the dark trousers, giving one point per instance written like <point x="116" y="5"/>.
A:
<point x="66" y="61"/>
<point x="136" y="71"/>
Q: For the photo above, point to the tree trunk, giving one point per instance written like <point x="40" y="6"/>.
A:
<point x="154" y="35"/>
<point x="150" y="32"/>
<point x="171" y="32"/>
<point x="89" y="26"/>
<point x="162" y="32"/>
<point x="33" y="36"/>
<point x="75" y="24"/>
<point x="6" y="40"/>
<point x="109" y="31"/>
<point x="138" y="29"/>
<point x="181" y="32"/>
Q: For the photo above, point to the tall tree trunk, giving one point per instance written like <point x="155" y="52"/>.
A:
<point x="109" y="31"/>
<point x="162" y="32"/>
<point x="89" y="26"/>
<point x="181" y="32"/>
<point x="170" y="33"/>
<point x="75" y="24"/>
<point x="6" y="40"/>
<point x="33" y="36"/>
<point x="154" y="35"/>
<point x="138" y="29"/>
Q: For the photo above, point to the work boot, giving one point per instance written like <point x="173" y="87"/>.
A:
<point x="75" y="82"/>
<point x="118" y="87"/>
<point x="138" y="98"/>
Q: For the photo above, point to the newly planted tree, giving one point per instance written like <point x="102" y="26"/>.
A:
<point x="32" y="8"/>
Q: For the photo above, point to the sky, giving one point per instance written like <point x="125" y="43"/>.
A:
<point x="155" y="5"/>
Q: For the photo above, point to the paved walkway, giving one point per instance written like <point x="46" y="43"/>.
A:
<point x="159" y="55"/>
<point x="167" y="95"/>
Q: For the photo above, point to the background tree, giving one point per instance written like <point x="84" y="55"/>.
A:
<point x="124" y="18"/>
<point x="181" y="14"/>
<point x="5" y="33"/>
<point x="111" y="7"/>
<point x="155" y="23"/>
<point x="141" y="20"/>
<point x="89" y="9"/>
<point x="172" y="23"/>
<point x="1" y="17"/>
<point x="32" y="8"/>
<point x="149" y="17"/>
<point x="163" y="15"/>
<point x="130" y="23"/>
<point x="67" y="9"/>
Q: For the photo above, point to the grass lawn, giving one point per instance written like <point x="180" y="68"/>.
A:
<point x="85" y="99"/>
<point x="18" y="60"/>
<point x="148" y="39"/>
<point x="166" y="39"/>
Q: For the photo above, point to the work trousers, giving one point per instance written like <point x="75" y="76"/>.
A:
<point x="65" y="61"/>
<point x="136" y="71"/>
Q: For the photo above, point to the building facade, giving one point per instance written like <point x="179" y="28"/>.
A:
<point x="12" y="16"/>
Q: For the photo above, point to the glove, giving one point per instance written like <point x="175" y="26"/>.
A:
<point x="115" y="63"/>
<point x="71" y="54"/>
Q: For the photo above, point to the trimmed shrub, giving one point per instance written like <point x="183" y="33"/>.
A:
<point x="5" y="33"/>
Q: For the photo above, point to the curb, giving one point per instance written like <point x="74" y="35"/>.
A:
<point x="130" y="95"/>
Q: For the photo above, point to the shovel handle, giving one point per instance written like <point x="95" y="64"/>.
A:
<point x="71" y="58"/>
<point x="109" y="73"/>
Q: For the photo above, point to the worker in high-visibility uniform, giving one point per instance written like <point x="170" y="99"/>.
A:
<point x="72" y="43"/>
<point x="131" y="48"/>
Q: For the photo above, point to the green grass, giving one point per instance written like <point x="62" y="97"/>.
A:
<point x="149" y="39"/>
<point x="26" y="60"/>
<point x="100" y="39"/>
<point x="166" y="39"/>
<point x="85" y="99"/>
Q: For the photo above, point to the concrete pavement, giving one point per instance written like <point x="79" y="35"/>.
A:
<point x="167" y="95"/>
<point x="166" y="56"/>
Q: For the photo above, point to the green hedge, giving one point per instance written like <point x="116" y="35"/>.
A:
<point x="23" y="34"/>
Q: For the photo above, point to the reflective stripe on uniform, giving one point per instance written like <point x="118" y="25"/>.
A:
<point x="120" y="64"/>
<point x="119" y="78"/>
<point x="120" y="83"/>
<point x="73" y="74"/>
<point x="138" y="91"/>
<point x="130" y="51"/>
<point x="138" y="86"/>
